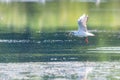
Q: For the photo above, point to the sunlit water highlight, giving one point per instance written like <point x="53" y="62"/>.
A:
<point x="60" y="71"/>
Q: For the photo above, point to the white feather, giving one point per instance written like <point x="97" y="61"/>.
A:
<point x="82" y="27"/>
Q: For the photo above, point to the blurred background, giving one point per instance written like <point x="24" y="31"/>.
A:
<point x="51" y="15"/>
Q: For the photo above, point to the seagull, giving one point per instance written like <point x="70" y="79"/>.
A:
<point x="82" y="28"/>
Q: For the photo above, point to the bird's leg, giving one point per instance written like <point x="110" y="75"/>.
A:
<point x="86" y="40"/>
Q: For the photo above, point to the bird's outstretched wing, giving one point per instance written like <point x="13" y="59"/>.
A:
<point x="82" y="23"/>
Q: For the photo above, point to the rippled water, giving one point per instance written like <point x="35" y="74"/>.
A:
<point x="59" y="56"/>
<point x="60" y="71"/>
<point x="59" y="46"/>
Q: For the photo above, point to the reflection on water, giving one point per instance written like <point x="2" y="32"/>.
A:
<point x="105" y="50"/>
<point x="60" y="71"/>
<point x="59" y="46"/>
<point x="59" y="56"/>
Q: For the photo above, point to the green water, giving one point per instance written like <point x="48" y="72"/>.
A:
<point x="36" y="31"/>
<point x="59" y="46"/>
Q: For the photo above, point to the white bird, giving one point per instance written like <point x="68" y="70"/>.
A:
<point x="82" y="28"/>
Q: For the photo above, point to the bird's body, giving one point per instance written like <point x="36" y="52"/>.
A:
<point x="82" y="27"/>
<point x="82" y="34"/>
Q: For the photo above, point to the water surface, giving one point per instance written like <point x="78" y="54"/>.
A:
<point x="60" y="71"/>
<point x="59" y="46"/>
<point x="59" y="56"/>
